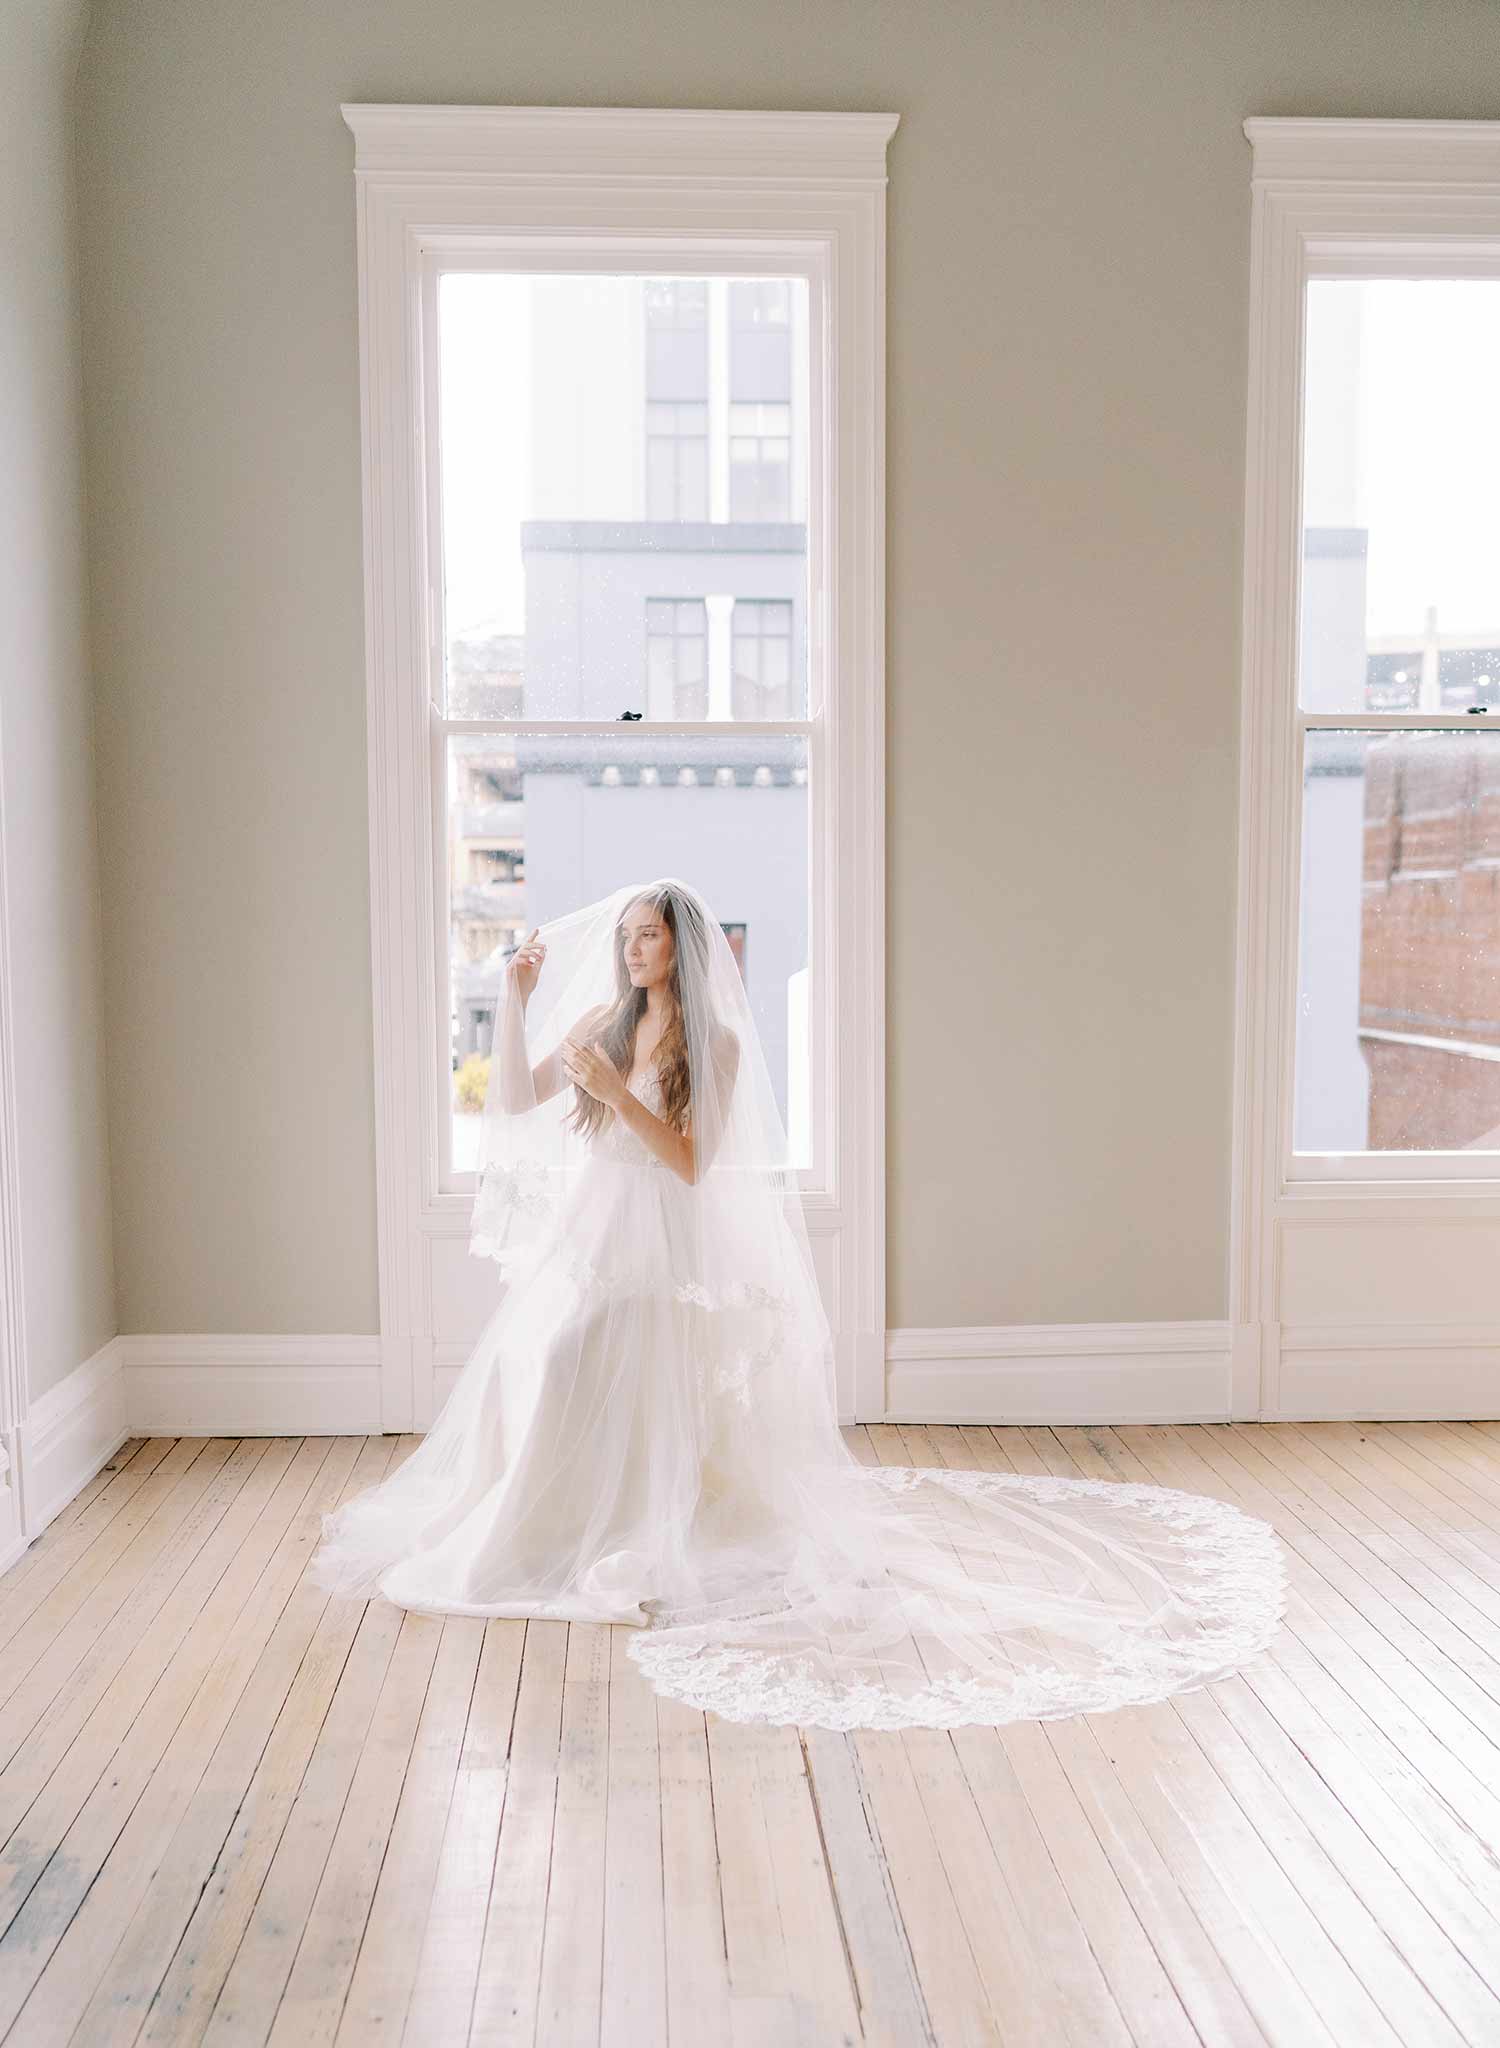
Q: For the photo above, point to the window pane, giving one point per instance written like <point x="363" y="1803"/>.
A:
<point x="539" y="824"/>
<point x="587" y="463"/>
<point x="1400" y="516"/>
<point x="1398" y="1013"/>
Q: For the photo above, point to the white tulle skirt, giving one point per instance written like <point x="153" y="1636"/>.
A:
<point x="642" y="1435"/>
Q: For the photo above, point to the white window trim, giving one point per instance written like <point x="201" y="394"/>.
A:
<point x="740" y="187"/>
<point x="1329" y="198"/>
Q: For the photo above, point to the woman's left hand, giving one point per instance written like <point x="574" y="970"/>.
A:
<point x="589" y="1069"/>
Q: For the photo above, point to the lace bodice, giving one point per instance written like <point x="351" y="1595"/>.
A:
<point x="616" y="1140"/>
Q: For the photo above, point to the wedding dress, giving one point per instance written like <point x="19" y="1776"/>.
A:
<point x="644" y="1432"/>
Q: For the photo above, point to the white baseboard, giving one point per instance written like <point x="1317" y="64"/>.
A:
<point x="1068" y="1372"/>
<point x="253" y="1386"/>
<point x="1060" y="1373"/>
<point x="70" y="1431"/>
<point x="1078" y="1373"/>
<point x="1415" y="1372"/>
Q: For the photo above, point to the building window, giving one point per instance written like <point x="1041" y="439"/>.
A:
<point x="677" y="657"/>
<point x="760" y="399"/>
<point x="760" y="461"/>
<point x="760" y="340"/>
<point x="762" y="657"/>
<point x="676" y="312"/>
<point x="676" y="461"/>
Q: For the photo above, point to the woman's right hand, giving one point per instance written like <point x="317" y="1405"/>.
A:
<point x="524" y="966"/>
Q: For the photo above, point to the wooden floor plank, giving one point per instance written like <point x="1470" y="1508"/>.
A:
<point x="697" y="1984"/>
<point x="1414" y="1699"/>
<point x="229" y="1969"/>
<point x="234" y="1811"/>
<point x="1285" y="1791"/>
<point x="568" y="1997"/>
<point x="634" y="1994"/>
<point x="442" y="1997"/>
<point x="106" y="1687"/>
<point x="1345" y="1709"/>
<point x="232" y="1676"/>
<point x="1221" y="1972"/>
<point x="70" y="1534"/>
<point x="510" y="1958"/>
<point x="893" y="2012"/>
<point x="184" y="1490"/>
<point x="312" y="2003"/>
<point x="386" y="1967"/>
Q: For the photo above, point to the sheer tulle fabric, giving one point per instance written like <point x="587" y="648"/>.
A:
<point x="645" y="1433"/>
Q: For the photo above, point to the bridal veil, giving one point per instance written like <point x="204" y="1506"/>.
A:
<point x="647" y="1431"/>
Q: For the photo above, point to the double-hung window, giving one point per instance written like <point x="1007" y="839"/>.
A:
<point x="622" y="376"/>
<point x="1366" y="1238"/>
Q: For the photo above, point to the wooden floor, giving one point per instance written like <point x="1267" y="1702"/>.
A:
<point x="235" y="1811"/>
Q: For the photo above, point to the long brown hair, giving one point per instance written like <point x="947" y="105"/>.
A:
<point x="615" y="1026"/>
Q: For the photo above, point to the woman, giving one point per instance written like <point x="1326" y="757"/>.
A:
<point x="645" y="1430"/>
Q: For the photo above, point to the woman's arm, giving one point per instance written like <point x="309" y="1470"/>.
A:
<point x="598" y="1076"/>
<point x="672" y="1148"/>
<point x="522" y="1086"/>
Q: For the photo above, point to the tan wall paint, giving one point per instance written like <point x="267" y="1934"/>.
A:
<point x="46" y="709"/>
<point x="1068" y="245"/>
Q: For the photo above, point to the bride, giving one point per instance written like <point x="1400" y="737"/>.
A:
<point x="645" y="1431"/>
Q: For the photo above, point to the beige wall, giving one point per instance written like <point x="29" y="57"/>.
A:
<point x="1068" y="241"/>
<point x="46" y="711"/>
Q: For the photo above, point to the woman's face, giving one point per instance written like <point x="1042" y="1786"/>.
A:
<point x="648" y="946"/>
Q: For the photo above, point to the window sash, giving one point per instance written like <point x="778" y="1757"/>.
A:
<point x="1393" y="256"/>
<point x="610" y="259"/>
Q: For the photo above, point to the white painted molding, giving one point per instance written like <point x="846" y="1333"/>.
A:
<point x="252" y="1386"/>
<point x="1326" y="152"/>
<point x="694" y="144"/>
<point x="13" y="1391"/>
<point x="71" y="1430"/>
<point x="1405" y="1372"/>
<point x="1077" y="1374"/>
<point x="1344" y="198"/>
<point x="597" y="186"/>
<point x="1060" y="1373"/>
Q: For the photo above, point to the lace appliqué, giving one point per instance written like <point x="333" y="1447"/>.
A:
<point x="504" y="1195"/>
<point x="739" y="1294"/>
<point x="1233" y="1589"/>
<point x="735" y="1377"/>
<point x="522" y="1186"/>
<point x="585" y="1278"/>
